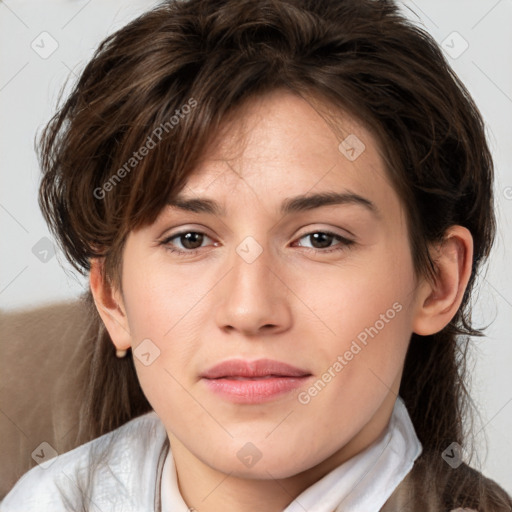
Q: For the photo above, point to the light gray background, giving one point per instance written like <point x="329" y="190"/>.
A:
<point x="29" y="84"/>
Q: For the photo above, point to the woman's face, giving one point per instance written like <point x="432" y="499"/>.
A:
<point x="256" y="269"/>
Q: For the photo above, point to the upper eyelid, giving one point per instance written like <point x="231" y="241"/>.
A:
<point x="331" y="231"/>
<point x="168" y="233"/>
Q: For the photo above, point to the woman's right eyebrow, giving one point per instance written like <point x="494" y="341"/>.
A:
<point x="195" y="205"/>
<point x="289" y="205"/>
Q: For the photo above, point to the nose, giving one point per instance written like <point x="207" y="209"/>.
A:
<point x="253" y="298"/>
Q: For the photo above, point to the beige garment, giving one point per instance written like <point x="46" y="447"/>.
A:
<point x="41" y="352"/>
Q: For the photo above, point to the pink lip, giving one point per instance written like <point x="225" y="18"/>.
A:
<point x="253" y="381"/>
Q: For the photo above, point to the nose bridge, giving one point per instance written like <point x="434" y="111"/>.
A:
<point x="252" y="296"/>
<point x="252" y="267"/>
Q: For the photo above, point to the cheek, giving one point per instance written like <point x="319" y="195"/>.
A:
<point x="165" y="315"/>
<point x="354" y="296"/>
<point x="364" y="317"/>
<point x="158" y="298"/>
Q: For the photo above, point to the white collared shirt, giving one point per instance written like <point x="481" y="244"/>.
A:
<point x="133" y="471"/>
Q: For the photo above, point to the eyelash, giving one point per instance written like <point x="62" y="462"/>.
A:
<point x="345" y="243"/>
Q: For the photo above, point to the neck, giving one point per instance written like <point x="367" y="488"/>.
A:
<point x="205" y="489"/>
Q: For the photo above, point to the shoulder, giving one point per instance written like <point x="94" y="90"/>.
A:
<point x="434" y="486"/>
<point x="114" y="464"/>
<point x="472" y="488"/>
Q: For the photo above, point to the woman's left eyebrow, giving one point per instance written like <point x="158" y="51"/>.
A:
<point x="288" y="206"/>
<point x="309" y="202"/>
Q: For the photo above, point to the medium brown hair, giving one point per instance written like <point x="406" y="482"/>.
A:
<point x="359" y="56"/>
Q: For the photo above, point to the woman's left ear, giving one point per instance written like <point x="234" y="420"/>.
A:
<point x="437" y="303"/>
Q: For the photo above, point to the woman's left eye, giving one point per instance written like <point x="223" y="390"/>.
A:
<point x="322" y="240"/>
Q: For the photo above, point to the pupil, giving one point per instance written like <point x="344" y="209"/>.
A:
<point x="190" y="239"/>
<point x="324" y="239"/>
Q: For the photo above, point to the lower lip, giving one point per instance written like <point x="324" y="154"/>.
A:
<point x="254" y="391"/>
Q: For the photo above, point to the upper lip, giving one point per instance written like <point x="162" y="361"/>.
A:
<point x="258" y="368"/>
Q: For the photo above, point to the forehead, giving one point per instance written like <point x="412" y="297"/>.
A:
<point x="289" y="146"/>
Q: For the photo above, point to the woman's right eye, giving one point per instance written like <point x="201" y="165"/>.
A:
<point x="185" y="243"/>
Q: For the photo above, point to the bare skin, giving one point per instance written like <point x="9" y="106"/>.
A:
<point x="296" y="303"/>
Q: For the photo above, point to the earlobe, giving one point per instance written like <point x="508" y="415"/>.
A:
<point x="110" y="306"/>
<point x="437" y="303"/>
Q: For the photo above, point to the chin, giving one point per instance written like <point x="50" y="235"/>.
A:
<point x="270" y="471"/>
<point x="250" y="463"/>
